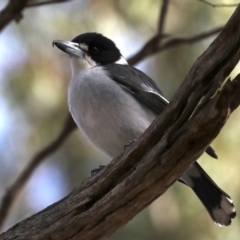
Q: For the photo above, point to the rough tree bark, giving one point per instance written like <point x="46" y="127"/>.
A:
<point x="107" y="201"/>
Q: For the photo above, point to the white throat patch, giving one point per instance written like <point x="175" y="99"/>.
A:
<point x="81" y="64"/>
<point x="122" y="61"/>
<point x="84" y="47"/>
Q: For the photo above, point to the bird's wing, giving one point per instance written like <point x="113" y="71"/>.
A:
<point x="143" y="88"/>
<point x="139" y="85"/>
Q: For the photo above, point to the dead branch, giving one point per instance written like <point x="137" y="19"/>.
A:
<point x="168" y="147"/>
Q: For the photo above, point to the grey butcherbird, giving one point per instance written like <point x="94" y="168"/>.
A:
<point x="112" y="103"/>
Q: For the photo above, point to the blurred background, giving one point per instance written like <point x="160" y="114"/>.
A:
<point x="33" y="106"/>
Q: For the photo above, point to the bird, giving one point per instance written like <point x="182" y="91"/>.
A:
<point x="113" y="102"/>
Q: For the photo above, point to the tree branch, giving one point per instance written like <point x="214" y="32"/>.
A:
<point x="35" y="3"/>
<point x="167" y="148"/>
<point x="162" y="17"/>
<point x="14" y="9"/>
<point x="219" y="4"/>
<point x="153" y="46"/>
<point x="235" y="90"/>
<point x="13" y="191"/>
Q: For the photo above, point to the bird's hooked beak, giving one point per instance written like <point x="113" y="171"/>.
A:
<point x="68" y="47"/>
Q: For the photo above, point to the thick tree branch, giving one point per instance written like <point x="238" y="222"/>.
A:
<point x="170" y="145"/>
<point x="235" y="90"/>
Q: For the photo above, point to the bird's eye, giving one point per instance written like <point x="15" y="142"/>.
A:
<point x="95" y="50"/>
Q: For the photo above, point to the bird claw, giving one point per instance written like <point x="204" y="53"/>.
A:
<point x="129" y="143"/>
<point x="96" y="170"/>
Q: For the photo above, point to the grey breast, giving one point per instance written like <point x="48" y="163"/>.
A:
<point x="107" y="114"/>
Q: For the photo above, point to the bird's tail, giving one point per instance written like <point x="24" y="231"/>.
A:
<point x="216" y="201"/>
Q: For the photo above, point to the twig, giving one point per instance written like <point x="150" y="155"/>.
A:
<point x="156" y="40"/>
<point x="37" y="4"/>
<point x="162" y="17"/>
<point x="219" y="4"/>
<point x="13" y="191"/>
<point x="153" y="46"/>
<point x="14" y="9"/>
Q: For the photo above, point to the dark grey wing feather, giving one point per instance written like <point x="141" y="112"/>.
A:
<point x="139" y="84"/>
<point x="143" y="88"/>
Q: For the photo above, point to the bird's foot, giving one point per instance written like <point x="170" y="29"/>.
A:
<point x="129" y="143"/>
<point x="96" y="170"/>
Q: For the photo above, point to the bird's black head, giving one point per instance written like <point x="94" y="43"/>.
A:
<point x="102" y="50"/>
<point x="89" y="50"/>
